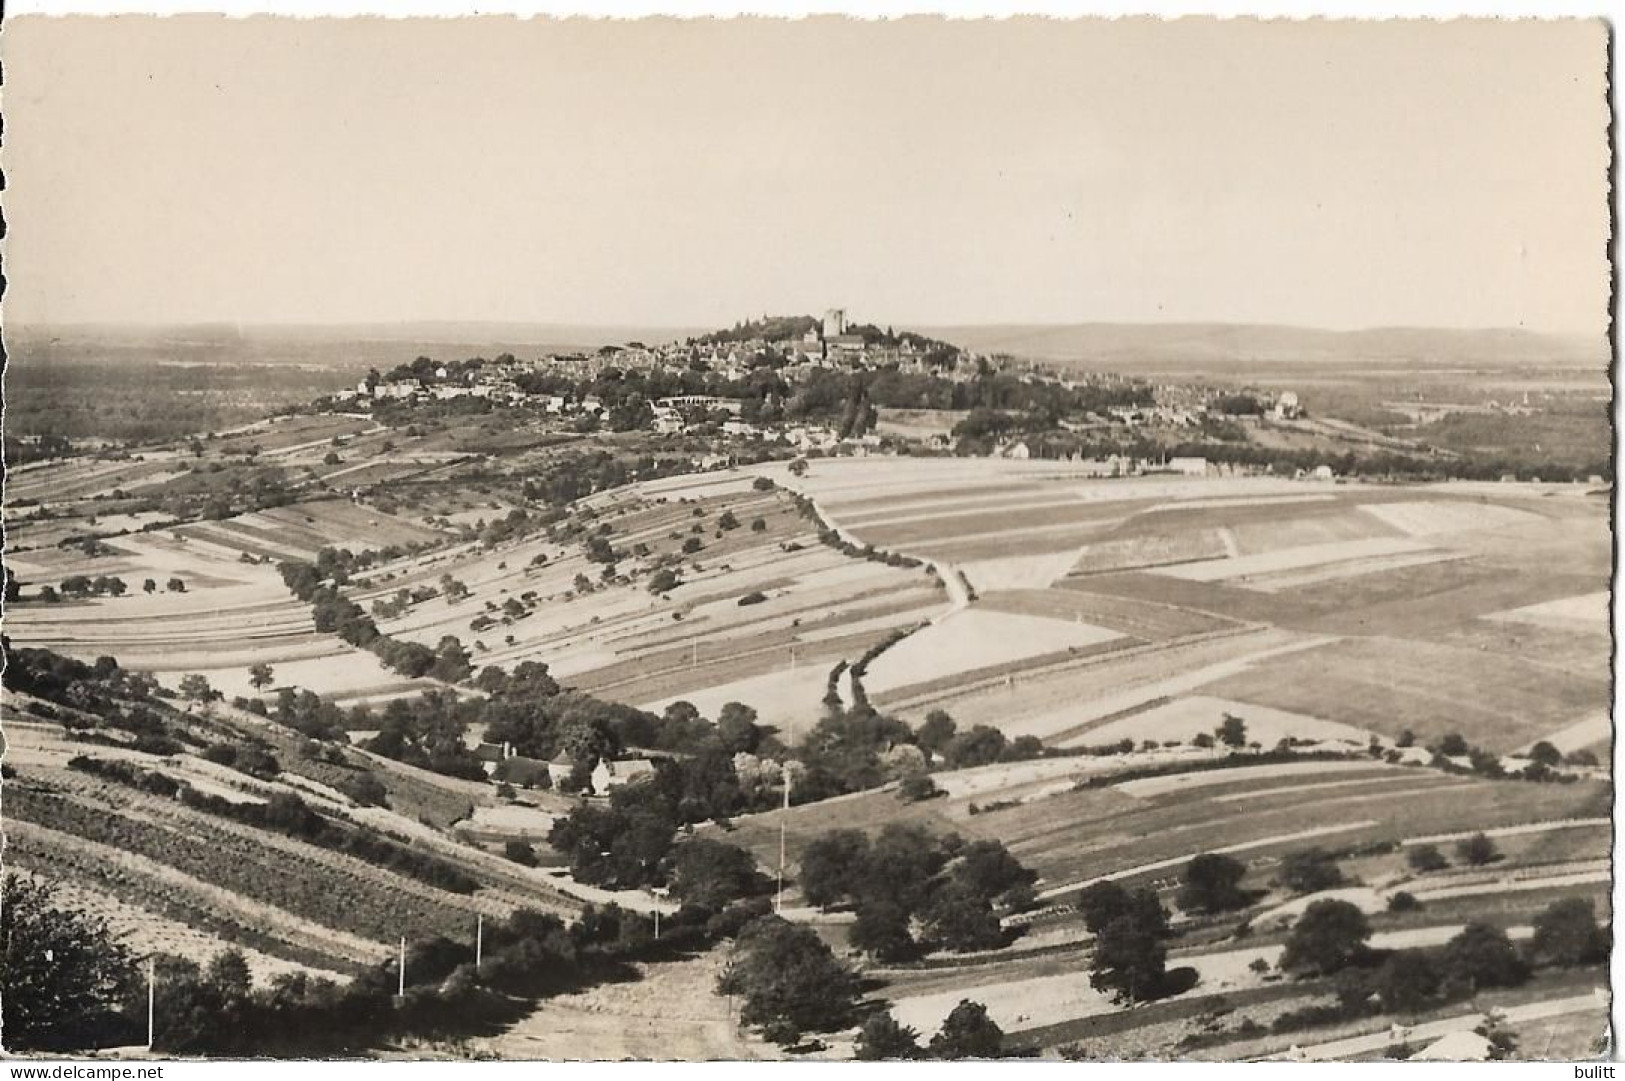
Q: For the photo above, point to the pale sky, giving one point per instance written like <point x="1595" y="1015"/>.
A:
<point x="915" y="172"/>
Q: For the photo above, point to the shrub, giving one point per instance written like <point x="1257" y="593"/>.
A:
<point x="918" y="786"/>
<point x="881" y="1037"/>
<point x="1425" y="858"/>
<point x="968" y="1032"/>
<point x="1566" y="933"/>
<point x="1310" y="871"/>
<point x="1478" y="850"/>
<point x="753" y="597"/>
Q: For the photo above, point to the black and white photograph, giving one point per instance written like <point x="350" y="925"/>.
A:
<point x="830" y="539"/>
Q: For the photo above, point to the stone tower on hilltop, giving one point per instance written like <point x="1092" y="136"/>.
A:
<point x="834" y="323"/>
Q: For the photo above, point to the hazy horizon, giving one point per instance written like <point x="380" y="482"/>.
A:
<point x="705" y="328"/>
<point x="662" y="173"/>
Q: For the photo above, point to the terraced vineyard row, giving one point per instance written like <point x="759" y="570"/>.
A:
<point x="68" y="858"/>
<point x="363" y="901"/>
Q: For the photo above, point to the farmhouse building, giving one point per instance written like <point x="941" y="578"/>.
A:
<point x="560" y="767"/>
<point x="608" y="775"/>
<point x="490" y="754"/>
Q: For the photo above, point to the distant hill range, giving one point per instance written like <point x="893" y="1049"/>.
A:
<point x="1126" y="346"/>
<point x="1145" y="345"/>
<point x="227" y="342"/>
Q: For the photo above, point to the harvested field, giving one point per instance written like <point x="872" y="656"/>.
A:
<point x="1289" y="559"/>
<point x="974" y="638"/>
<point x="1425" y="518"/>
<point x="1034" y="572"/>
<point x="1145" y="620"/>
<point x="1388" y="685"/>
<point x="1152" y="550"/>
<point x="1186" y="717"/>
<point x="1587" y="613"/>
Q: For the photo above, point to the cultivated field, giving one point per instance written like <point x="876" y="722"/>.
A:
<point x="1343" y="609"/>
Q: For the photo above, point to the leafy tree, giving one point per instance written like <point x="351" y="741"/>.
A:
<point x="1477" y="850"/>
<point x="977" y="747"/>
<point x="789" y="979"/>
<point x="1211" y="883"/>
<point x="1482" y="956"/>
<point x="987" y="868"/>
<point x="1232" y="732"/>
<point x="968" y="1032"/>
<point x="902" y="863"/>
<point x="1406" y="982"/>
<point x="798" y="468"/>
<point x="881" y="1037"/>
<point x="1453" y="745"/>
<point x="1545" y="754"/>
<point x="1129" y="958"/>
<point x="713" y="873"/>
<point x="175" y="585"/>
<point x="882" y="930"/>
<point x="1101" y="903"/>
<point x="196" y="688"/>
<point x="737" y="728"/>
<point x="520" y="852"/>
<point x="935" y="731"/>
<point x="260" y="676"/>
<point x="1566" y="933"/>
<point x="961" y="918"/>
<point x="1328" y="936"/>
<point x="1310" y="870"/>
<point x="608" y="846"/>
<point x="149" y="586"/>
<point x="832" y="866"/>
<point x="65" y="975"/>
<point x="229" y="975"/>
<point x="664" y="580"/>
<point x="1425" y="858"/>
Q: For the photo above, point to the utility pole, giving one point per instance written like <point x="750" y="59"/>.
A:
<point x="479" y="938"/>
<point x="152" y="999"/>
<point x="784" y="821"/>
<point x="402" y="991"/>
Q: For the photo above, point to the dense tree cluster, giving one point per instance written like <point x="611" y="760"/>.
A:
<point x="912" y="890"/>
